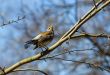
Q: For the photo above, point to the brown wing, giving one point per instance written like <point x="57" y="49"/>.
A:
<point x="46" y="36"/>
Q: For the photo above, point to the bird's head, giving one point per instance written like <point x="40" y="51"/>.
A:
<point x="50" y="28"/>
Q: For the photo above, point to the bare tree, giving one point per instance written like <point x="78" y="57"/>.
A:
<point x="76" y="45"/>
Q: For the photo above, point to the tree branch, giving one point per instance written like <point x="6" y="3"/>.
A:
<point x="13" y="21"/>
<point x="90" y="35"/>
<point x="93" y="65"/>
<point x="29" y="69"/>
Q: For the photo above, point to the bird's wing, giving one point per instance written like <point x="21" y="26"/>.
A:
<point x="45" y="37"/>
<point x="37" y="37"/>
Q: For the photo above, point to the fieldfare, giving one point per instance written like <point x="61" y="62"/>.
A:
<point x="42" y="39"/>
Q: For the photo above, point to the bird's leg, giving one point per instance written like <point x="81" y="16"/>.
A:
<point x="46" y="48"/>
<point x="42" y="52"/>
<point x="42" y="49"/>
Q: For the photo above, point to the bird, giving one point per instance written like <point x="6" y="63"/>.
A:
<point x="42" y="39"/>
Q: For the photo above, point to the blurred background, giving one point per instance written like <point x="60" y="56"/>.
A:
<point x="62" y="14"/>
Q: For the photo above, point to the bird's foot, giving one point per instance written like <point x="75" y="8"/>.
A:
<point x="46" y="48"/>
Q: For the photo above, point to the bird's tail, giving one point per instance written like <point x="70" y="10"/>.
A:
<point x="28" y="43"/>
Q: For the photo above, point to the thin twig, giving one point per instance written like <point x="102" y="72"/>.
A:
<point x="90" y="64"/>
<point x="12" y="21"/>
<point x="65" y="52"/>
<point x="91" y="35"/>
<point x="29" y="69"/>
<point x="95" y="4"/>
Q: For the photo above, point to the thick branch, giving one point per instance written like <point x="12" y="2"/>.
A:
<point x="83" y="18"/>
